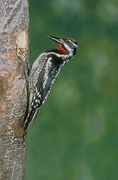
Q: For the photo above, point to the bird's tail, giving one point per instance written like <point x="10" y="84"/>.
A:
<point x="30" y="118"/>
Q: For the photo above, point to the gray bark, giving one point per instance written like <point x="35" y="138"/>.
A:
<point x="14" y="21"/>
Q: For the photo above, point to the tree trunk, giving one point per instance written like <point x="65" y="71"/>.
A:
<point x="13" y="88"/>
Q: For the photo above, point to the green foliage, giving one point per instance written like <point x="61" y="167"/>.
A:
<point x="76" y="133"/>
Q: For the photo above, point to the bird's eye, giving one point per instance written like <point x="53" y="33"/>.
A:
<point x="67" y="41"/>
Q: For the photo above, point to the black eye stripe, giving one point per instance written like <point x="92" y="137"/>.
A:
<point x="76" y="43"/>
<point x="70" y="43"/>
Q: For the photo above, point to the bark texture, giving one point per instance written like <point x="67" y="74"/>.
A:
<point x="13" y="88"/>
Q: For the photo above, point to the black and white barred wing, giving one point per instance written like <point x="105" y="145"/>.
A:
<point x="45" y="69"/>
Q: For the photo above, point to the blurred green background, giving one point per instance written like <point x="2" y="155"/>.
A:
<point x="75" y="136"/>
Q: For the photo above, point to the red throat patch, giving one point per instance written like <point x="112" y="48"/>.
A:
<point x="62" y="49"/>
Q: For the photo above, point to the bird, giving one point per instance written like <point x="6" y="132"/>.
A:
<point x="45" y="71"/>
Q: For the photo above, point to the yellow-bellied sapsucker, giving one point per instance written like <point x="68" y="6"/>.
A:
<point x="44" y="72"/>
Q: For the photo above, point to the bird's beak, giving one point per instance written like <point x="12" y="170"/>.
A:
<point x="56" y="39"/>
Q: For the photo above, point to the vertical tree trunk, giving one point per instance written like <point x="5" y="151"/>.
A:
<point x="14" y="21"/>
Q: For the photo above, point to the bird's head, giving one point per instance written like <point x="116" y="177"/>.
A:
<point x="66" y="46"/>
